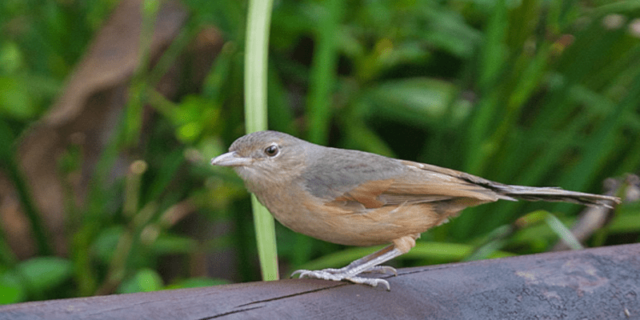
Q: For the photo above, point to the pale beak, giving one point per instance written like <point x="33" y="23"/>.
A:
<point x="231" y="159"/>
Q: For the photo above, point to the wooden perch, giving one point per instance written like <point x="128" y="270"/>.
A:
<point x="601" y="283"/>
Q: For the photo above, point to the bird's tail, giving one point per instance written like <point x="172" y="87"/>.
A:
<point x="555" y="194"/>
<point x="509" y="192"/>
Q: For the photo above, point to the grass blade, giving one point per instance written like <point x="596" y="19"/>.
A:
<point x="255" y="83"/>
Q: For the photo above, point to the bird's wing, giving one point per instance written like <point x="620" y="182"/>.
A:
<point x="419" y="183"/>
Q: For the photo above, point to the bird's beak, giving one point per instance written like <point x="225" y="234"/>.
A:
<point x="230" y="159"/>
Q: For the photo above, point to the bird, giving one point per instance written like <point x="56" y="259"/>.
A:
<point x="356" y="198"/>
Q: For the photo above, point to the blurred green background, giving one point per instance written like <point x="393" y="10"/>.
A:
<point x="105" y="138"/>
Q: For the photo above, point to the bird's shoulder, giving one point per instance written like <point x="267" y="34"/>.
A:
<point x="331" y="172"/>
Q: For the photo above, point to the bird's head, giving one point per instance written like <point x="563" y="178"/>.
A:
<point x="265" y="157"/>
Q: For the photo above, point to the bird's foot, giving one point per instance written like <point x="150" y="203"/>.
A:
<point x="374" y="269"/>
<point x="339" y="275"/>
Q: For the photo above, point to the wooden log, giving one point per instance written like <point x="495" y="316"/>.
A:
<point x="600" y="283"/>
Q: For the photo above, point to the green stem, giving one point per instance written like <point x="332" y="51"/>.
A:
<point x="255" y="83"/>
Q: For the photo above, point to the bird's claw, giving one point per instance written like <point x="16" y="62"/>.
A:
<point x="335" y="275"/>
<point x="382" y="270"/>
<point x="374" y="282"/>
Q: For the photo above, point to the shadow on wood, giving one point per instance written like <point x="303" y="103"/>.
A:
<point x="601" y="283"/>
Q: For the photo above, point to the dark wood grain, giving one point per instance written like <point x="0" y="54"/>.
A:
<point x="601" y="283"/>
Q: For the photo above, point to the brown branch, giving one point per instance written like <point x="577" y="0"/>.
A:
<point x="601" y="283"/>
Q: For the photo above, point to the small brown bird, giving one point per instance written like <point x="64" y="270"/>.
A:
<point x="362" y="199"/>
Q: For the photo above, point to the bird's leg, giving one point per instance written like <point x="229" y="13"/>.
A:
<point x="375" y="269"/>
<point x="369" y="263"/>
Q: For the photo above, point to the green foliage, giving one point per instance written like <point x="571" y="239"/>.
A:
<point x="144" y="280"/>
<point x="531" y="92"/>
<point x="36" y="278"/>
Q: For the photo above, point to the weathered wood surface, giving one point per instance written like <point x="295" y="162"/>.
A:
<point x="601" y="283"/>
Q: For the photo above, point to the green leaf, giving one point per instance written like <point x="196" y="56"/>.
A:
<point x="174" y="244"/>
<point x="44" y="273"/>
<point x="105" y="243"/>
<point x="15" y="99"/>
<point x="449" y="31"/>
<point x="11" y="291"/>
<point x="145" y="280"/>
<point x="563" y="232"/>
<point x="420" y="101"/>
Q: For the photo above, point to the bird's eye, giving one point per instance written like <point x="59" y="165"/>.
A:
<point x="271" y="150"/>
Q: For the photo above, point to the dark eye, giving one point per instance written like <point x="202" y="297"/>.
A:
<point x="271" y="150"/>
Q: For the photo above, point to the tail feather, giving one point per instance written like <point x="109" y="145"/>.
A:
<point x="509" y="192"/>
<point x="552" y="194"/>
<point x="556" y="195"/>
